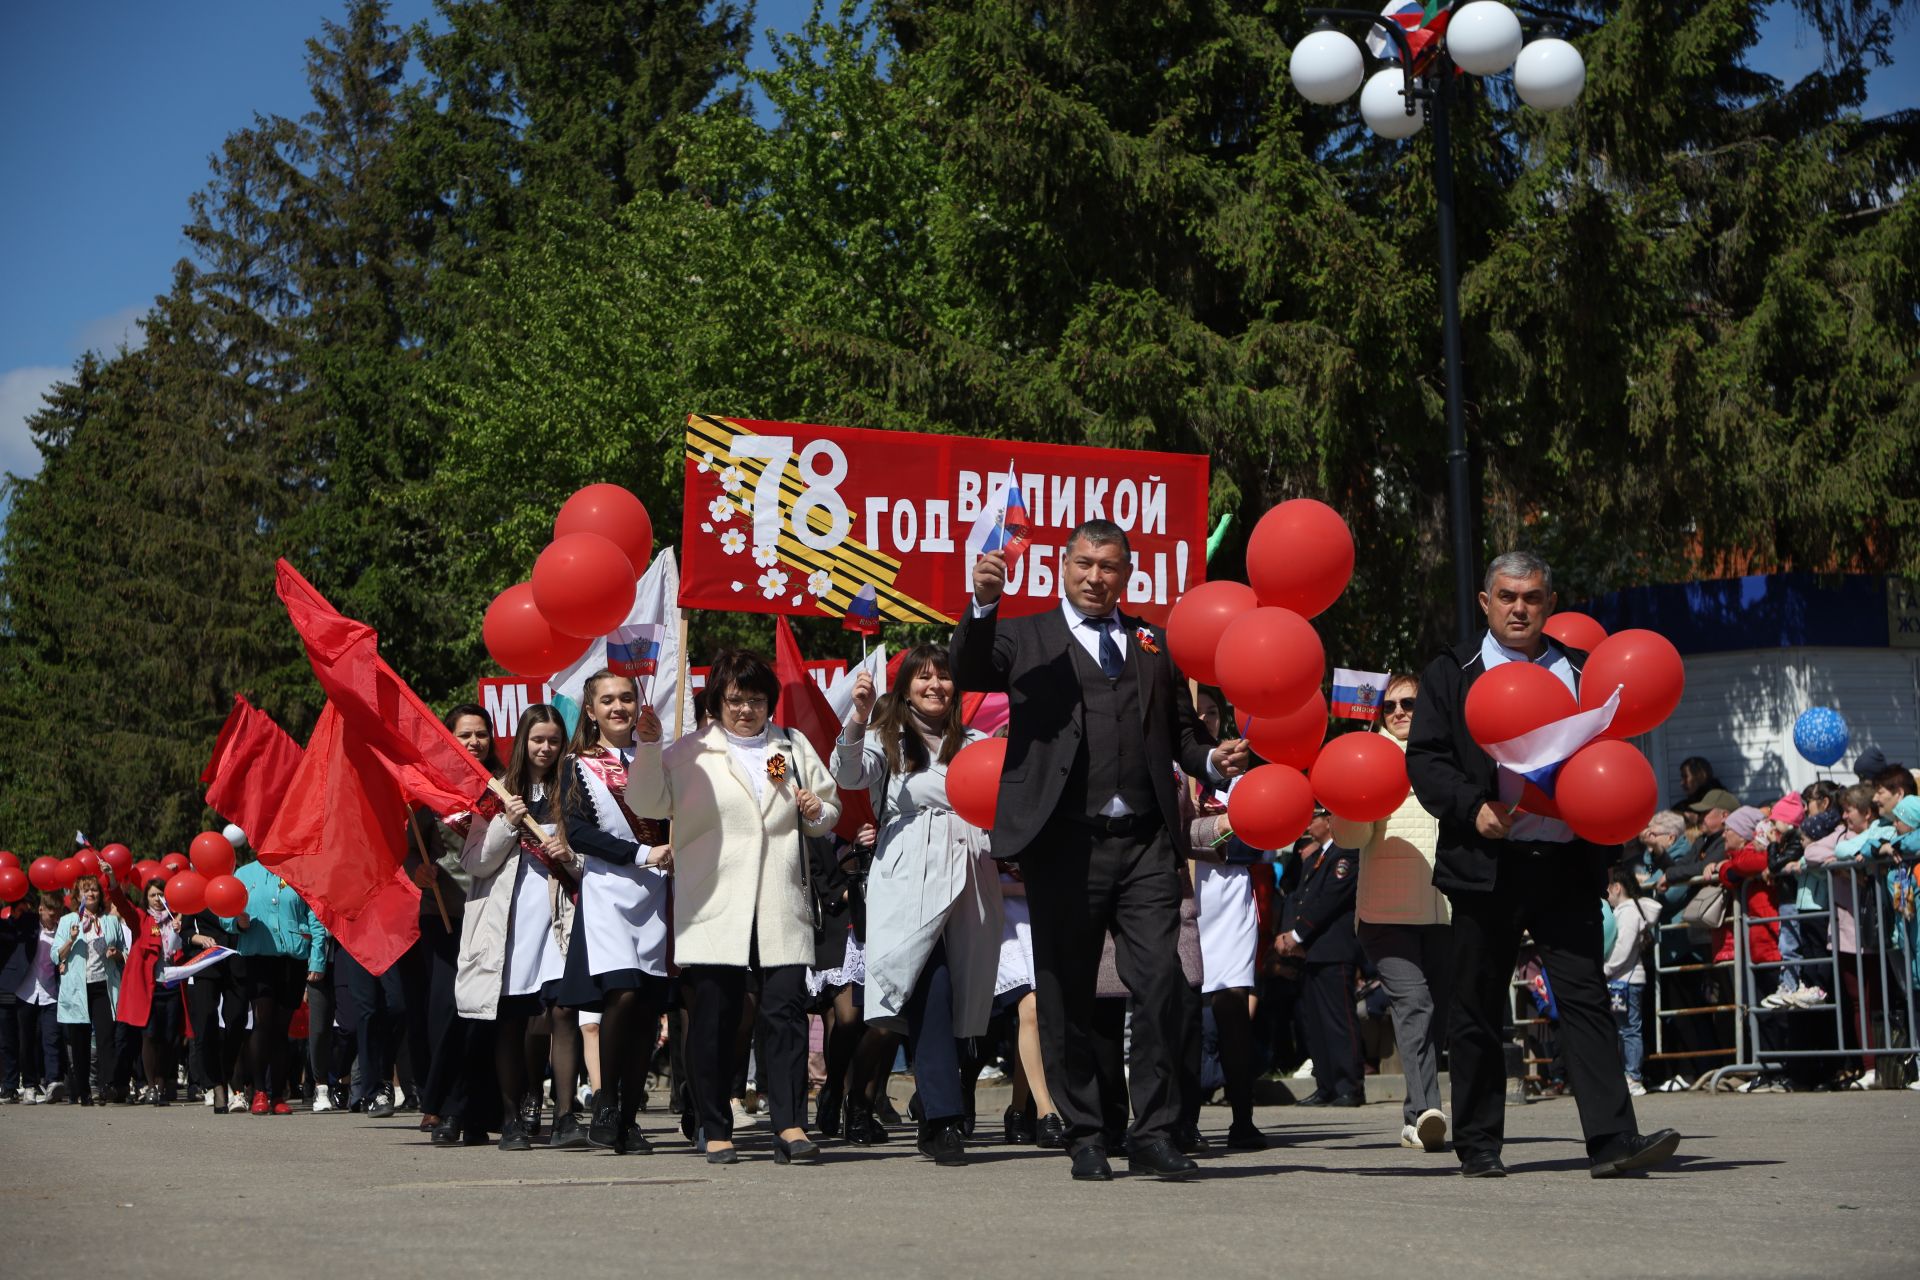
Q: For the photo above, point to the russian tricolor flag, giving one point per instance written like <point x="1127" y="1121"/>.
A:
<point x="634" y="651"/>
<point x="863" y="612"/>
<point x="1535" y="758"/>
<point x="1357" y="694"/>
<point x="173" y="975"/>
<point x="1003" y="525"/>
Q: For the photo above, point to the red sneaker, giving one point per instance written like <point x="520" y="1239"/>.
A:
<point x="281" y="1108"/>
<point x="260" y="1104"/>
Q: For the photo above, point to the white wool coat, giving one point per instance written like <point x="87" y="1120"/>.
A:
<point x="737" y="859"/>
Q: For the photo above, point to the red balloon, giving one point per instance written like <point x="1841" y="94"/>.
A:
<point x="1270" y="806"/>
<point x="89" y="862"/>
<point x="1576" y="631"/>
<point x="44" y="873"/>
<point x="614" y="514"/>
<point x="149" y="871"/>
<point x="583" y="585"/>
<point x="973" y="780"/>
<point x="520" y="638"/>
<point x="1293" y="739"/>
<point x="13" y="883"/>
<point x="174" y="863"/>
<point x="120" y="858"/>
<point x="1515" y="698"/>
<point x="187" y="892"/>
<point x="1606" y="791"/>
<point x="1361" y="777"/>
<point x="1300" y="556"/>
<point x="8" y="859"/>
<point x="1646" y="668"/>
<point x="70" y="871"/>
<point x="211" y="854"/>
<point x="1269" y="661"/>
<point x="226" y="896"/>
<point x="1197" y="620"/>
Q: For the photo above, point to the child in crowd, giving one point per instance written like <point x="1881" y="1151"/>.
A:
<point x="1636" y="920"/>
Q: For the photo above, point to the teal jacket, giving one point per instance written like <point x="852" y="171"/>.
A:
<point x="279" y="922"/>
<point x="73" y="983"/>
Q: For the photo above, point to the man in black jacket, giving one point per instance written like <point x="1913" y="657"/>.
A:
<point x="1505" y="872"/>
<point x="1316" y="925"/>
<point x="1098" y="718"/>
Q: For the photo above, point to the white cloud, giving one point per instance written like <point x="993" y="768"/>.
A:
<point x="107" y="333"/>
<point x="20" y="393"/>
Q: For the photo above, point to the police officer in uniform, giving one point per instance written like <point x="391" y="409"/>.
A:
<point x="1316" y="929"/>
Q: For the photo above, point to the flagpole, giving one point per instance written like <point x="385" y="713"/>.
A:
<point x="680" y="684"/>
<point x="420" y="848"/>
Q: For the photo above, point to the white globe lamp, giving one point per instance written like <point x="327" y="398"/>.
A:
<point x="1484" y="37"/>
<point x="1384" y="108"/>
<point x="1549" y="74"/>
<point x="1326" y="67"/>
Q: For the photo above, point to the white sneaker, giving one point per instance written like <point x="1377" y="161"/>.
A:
<point x="1674" y="1084"/>
<point x="322" y="1099"/>
<point x="206" y="1099"/>
<point x="239" y="1103"/>
<point x="992" y="1072"/>
<point x="1868" y="1081"/>
<point x="743" y="1118"/>
<point x="1914" y="1086"/>
<point x="1777" y="1000"/>
<point x="1430" y="1130"/>
<point x="1305" y="1072"/>
<point x="585" y="1097"/>
<point x="1809" y="996"/>
<point x="57" y="1091"/>
<point x="1410" y="1138"/>
<point x="1635" y="1089"/>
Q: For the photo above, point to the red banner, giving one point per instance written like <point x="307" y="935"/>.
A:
<point x="782" y="517"/>
<point x="506" y="698"/>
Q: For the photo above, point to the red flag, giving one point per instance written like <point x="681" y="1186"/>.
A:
<point x="804" y="709"/>
<point x="252" y="766"/>
<point x="340" y="839"/>
<point x="379" y="708"/>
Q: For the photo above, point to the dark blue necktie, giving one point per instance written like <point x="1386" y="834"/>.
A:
<point x="1110" y="664"/>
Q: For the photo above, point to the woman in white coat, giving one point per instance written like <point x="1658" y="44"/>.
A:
<point x="740" y="793"/>
<point x="1404" y="926"/>
<point x="933" y="898"/>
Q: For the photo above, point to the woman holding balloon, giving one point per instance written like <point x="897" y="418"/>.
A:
<point x="933" y="899"/>
<point x="91" y="951"/>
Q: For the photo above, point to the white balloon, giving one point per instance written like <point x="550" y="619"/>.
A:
<point x="1549" y="74"/>
<point x="1384" y="108"/>
<point x="1483" y="37"/>
<point x="1326" y="67"/>
<point x="235" y="836"/>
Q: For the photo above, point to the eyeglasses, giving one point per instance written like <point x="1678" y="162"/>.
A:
<point x="746" y="704"/>
<point x="1397" y="704"/>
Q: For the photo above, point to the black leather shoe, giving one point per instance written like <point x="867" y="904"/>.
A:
<point x="863" y="1128"/>
<point x="943" y="1142"/>
<point x="513" y="1137"/>
<point x="1050" y="1133"/>
<point x="629" y="1141"/>
<point x="1637" y="1154"/>
<point x="723" y="1155"/>
<point x="1090" y="1165"/>
<point x="605" y="1129"/>
<point x="1016" y="1127"/>
<point x="1318" y="1098"/>
<point x="568" y="1135"/>
<point x="1161" y="1160"/>
<point x="1484" y="1164"/>
<point x="799" y="1151"/>
<point x="826" y="1113"/>
<point x="530" y="1117"/>
<point x="381" y="1107"/>
<point x="1245" y="1136"/>
<point x="1188" y="1140"/>
<point x="1354" y="1099"/>
<point x="472" y="1137"/>
<point x="446" y="1133"/>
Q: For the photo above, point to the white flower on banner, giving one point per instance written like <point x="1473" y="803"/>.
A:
<point x="766" y="557"/>
<point x="772" y="583"/>
<point x="733" y="542"/>
<point x="737" y="585"/>
<point x="732" y="479"/>
<point x="721" y="510"/>
<point x="706" y="463"/>
<point x="819" y="582"/>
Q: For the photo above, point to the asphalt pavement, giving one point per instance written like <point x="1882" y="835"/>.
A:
<point x="1765" y="1185"/>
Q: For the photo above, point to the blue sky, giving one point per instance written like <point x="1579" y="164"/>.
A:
<point x="115" y="106"/>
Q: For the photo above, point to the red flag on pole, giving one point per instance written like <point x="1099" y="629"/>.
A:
<point x="340" y="840"/>
<point x="804" y="709"/>
<point x="252" y="766"/>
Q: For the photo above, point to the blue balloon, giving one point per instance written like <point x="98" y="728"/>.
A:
<point x="1820" y="735"/>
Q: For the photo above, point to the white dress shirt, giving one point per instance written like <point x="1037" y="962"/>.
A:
<point x="1529" y="827"/>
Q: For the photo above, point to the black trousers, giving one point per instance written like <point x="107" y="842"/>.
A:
<point x="90" y="1044"/>
<point x="1550" y="895"/>
<point x="1333" y="1034"/>
<point x="432" y="1021"/>
<point x="715" y="995"/>
<point x="1082" y="885"/>
<point x="216" y="1049"/>
<point x="380" y="1008"/>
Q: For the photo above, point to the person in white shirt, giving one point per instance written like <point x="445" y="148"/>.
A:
<point x="32" y="1031"/>
<point x="1635" y="921"/>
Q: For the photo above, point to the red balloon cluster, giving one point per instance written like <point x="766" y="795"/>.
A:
<point x="1515" y="698"/>
<point x="973" y="780"/>
<point x="1361" y="777"/>
<point x="1606" y="792"/>
<point x="8" y="858"/>
<point x="581" y="587"/>
<point x="120" y="858"/>
<point x="149" y="871"/>
<point x="1270" y="806"/>
<point x="1576" y="631"/>
<point x="89" y="862"/>
<point x="212" y="854"/>
<point x="1197" y="621"/>
<point x="13" y="883"/>
<point x="1300" y="557"/>
<point x="187" y="892"/>
<point x="1647" y="670"/>
<point x="1292" y="739"/>
<point x="44" y="872"/>
<point x="174" y="863"/>
<point x="226" y="896"/>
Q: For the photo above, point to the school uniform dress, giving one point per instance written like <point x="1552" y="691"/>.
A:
<point x="622" y="928"/>
<point x="508" y="951"/>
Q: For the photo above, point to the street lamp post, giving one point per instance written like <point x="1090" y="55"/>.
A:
<point x="1483" y="38"/>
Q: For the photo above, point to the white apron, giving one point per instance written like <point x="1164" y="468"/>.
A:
<point x="623" y="909"/>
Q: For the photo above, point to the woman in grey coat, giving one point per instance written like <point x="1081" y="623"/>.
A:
<point x="933" y="898"/>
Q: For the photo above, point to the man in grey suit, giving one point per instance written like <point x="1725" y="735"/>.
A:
<point x="1088" y="808"/>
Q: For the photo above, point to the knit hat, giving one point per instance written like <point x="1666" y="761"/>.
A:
<point x="1908" y="811"/>
<point x="1819" y="826"/>
<point x="1743" y="820"/>
<point x="1788" y="809"/>
<point x="1872" y="761"/>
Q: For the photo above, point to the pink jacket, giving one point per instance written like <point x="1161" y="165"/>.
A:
<point x="1846" y="930"/>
